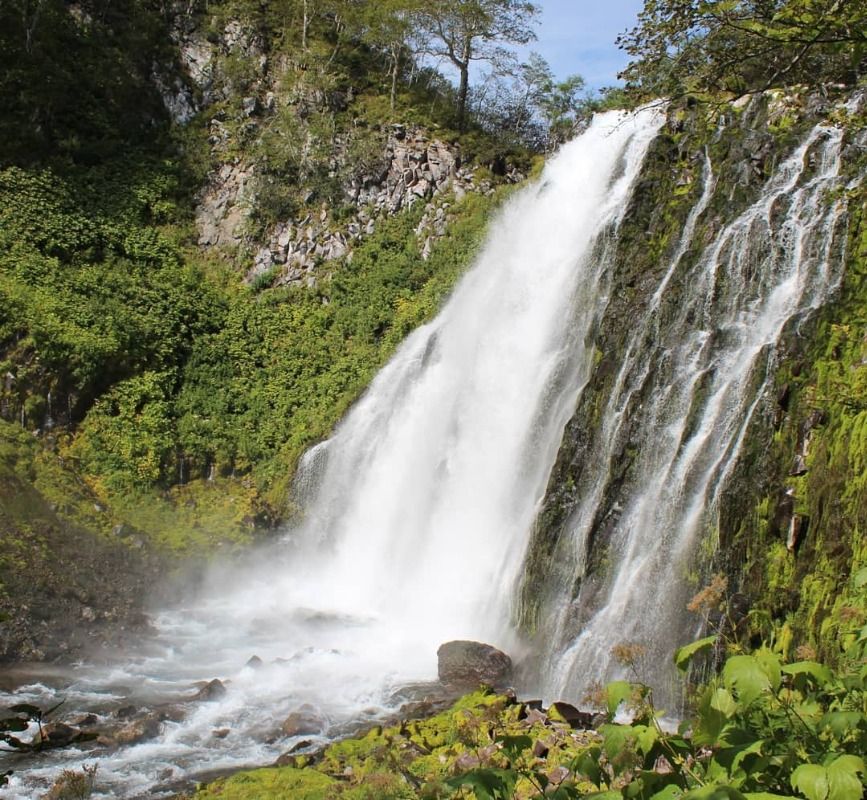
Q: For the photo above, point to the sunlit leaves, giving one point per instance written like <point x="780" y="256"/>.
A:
<point x="683" y="656"/>
<point x="837" y="781"/>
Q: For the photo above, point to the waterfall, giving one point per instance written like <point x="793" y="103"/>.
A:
<point x="416" y="513"/>
<point x="415" y="517"/>
<point x="686" y="392"/>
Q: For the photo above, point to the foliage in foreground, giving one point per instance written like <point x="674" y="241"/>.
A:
<point x="761" y="729"/>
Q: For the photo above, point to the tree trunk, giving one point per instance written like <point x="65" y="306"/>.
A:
<point x="395" y="71"/>
<point x="462" y="98"/>
<point x="463" y="90"/>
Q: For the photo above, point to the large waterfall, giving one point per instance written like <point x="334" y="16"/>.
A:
<point x="418" y="512"/>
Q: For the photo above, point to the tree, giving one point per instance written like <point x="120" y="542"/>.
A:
<point x="467" y="31"/>
<point x="387" y="24"/>
<point x="743" y="46"/>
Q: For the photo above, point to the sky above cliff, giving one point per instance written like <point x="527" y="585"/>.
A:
<point x="577" y="36"/>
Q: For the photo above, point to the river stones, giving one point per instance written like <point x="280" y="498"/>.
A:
<point x="469" y="664"/>
<point x="213" y="690"/>
<point x="303" y="722"/>
<point x="139" y="730"/>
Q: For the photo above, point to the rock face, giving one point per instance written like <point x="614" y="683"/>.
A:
<point x="469" y="664"/>
<point x="414" y="169"/>
<point x="211" y="691"/>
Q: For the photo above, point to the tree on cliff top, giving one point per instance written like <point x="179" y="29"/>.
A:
<point x="744" y="46"/>
<point x="464" y="31"/>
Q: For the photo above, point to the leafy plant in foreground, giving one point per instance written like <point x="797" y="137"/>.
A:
<point x="762" y="729"/>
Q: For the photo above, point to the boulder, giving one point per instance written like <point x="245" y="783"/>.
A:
<point x="470" y="664"/>
<point x="145" y="728"/>
<point x="303" y="722"/>
<point x="56" y="734"/>
<point x="211" y="691"/>
<point x="580" y="720"/>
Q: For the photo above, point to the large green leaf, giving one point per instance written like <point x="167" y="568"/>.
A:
<point x="808" y="671"/>
<point x="617" y="738"/>
<point x="722" y="701"/>
<point x="616" y="693"/>
<point x="843" y="778"/>
<point x="748" y="677"/>
<point x="684" y="655"/>
<point x="838" y="781"/>
<point x="842" y="722"/>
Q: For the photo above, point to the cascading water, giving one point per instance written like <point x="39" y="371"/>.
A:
<point x="420" y="505"/>
<point x="696" y="372"/>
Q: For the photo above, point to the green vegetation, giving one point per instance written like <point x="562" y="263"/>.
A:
<point x="763" y="728"/>
<point x="162" y="389"/>
<point x="735" y="47"/>
<point x="807" y="595"/>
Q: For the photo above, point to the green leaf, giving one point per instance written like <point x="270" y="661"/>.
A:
<point x="819" y="673"/>
<point x="487" y="784"/>
<point x="811" y="780"/>
<point x="771" y="666"/>
<point x="514" y="746"/>
<point x="722" y="701"/>
<point x="616" y="693"/>
<point x="684" y="655"/>
<point x="670" y="792"/>
<point x="714" y="793"/>
<point x="843" y="778"/>
<point x="842" y="722"/>
<point x="747" y="677"/>
<point x="587" y="765"/>
<point x="860" y="578"/>
<point x="617" y="739"/>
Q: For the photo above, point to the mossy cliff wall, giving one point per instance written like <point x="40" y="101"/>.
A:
<point x="801" y="593"/>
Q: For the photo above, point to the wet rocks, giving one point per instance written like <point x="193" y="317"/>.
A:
<point x="211" y="691"/>
<point x="303" y="722"/>
<point x="470" y="664"/>
<point x="56" y="734"/>
<point x="573" y="717"/>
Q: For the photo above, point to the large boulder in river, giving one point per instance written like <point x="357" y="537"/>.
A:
<point x="469" y="664"/>
<point x="304" y="721"/>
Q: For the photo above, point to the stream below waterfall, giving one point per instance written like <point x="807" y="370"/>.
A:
<point x="419" y="509"/>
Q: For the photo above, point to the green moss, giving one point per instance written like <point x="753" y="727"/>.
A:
<point x="809" y="596"/>
<point x="271" y="783"/>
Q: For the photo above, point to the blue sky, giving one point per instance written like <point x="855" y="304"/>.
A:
<point x="576" y="36"/>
